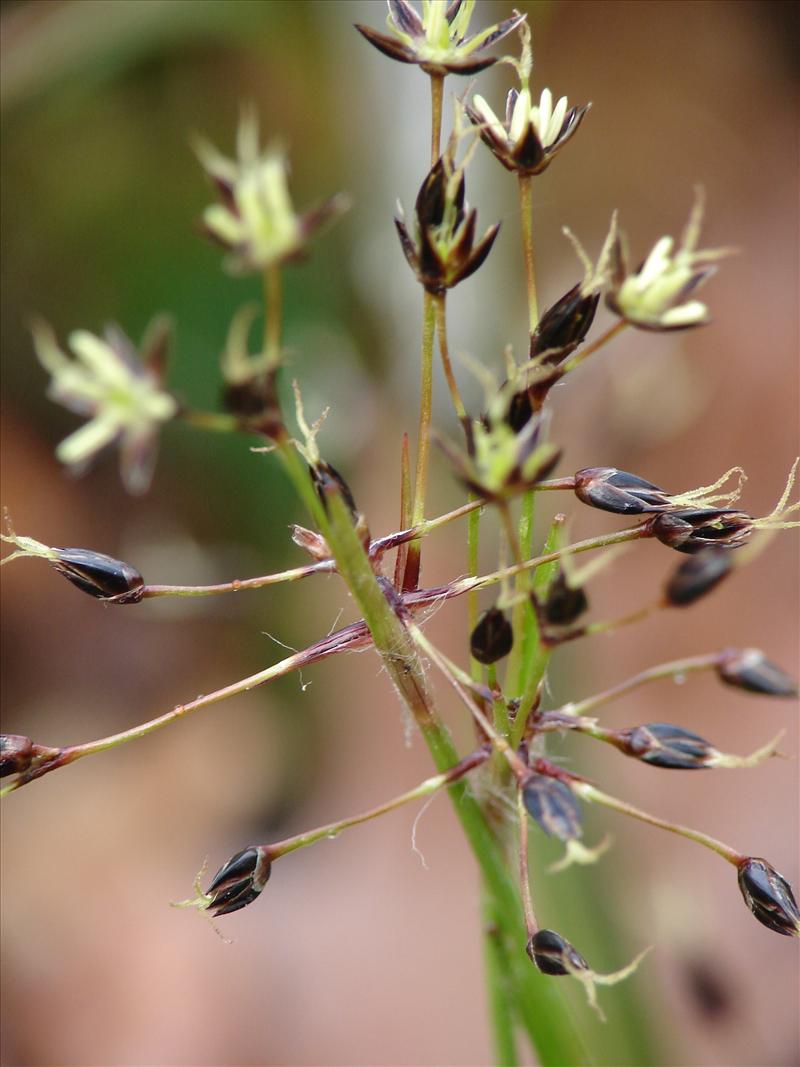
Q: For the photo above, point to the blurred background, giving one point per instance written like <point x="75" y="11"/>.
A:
<point x="358" y="953"/>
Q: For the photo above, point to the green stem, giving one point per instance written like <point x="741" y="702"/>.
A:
<point x="473" y="545"/>
<point x="663" y="670"/>
<point x="498" y="978"/>
<point x="440" y="304"/>
<point x="411" y="579"/>
<point x="239" y="584"/>
<point x="526" y="211"/>
<point x="212" y="420"/>
<point x="273" y="315"/>
<point x="425" y="789"/>
<point x="437" y="94"/>
<point x="588" y="792"/>
<point x="590" y="349"/>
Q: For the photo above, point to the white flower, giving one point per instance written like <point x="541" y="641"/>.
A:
<point x="438" y="40"/>
<point x="532" y="133"/>
<point x="659" y="295"/>
<point x="256" y="220"/>
<point x="119" y="391"/>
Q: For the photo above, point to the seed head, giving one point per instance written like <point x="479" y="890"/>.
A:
<point x="437" y="40"/>
<point x="692" y="529"/>
<point x="564" y="603"/>
<point x="618" y="491"/>
<point x="553" y="954"/>
<point x="769" y="896"/>
<point x="16" y="754"/>
<point x="553" y="805"/>
<point x="749" y="668"/>
<point x="663" y="745"/>
<point x="697" y="576"/>
<point x="238" y="882"/>
<point x="492" y="638"/>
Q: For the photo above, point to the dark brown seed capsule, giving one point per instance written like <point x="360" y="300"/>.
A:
<point x="663" y="745"/>
<point x="492" y="638"/>
<point x="697" y="576"/>
<point x="564" y="604"/>
<point x="618" y="491"/>
<point x="769" y="896"/>
<point x="238" y="882"/>
<point x="99" y="575"/>
<point x="553" y="954"/>
<point x="691" y="529"/>
<point x="553" y="805"/>
<point x="748" y="668"/>
<point x="564" y="326"/>
<point x="16" y="753"/>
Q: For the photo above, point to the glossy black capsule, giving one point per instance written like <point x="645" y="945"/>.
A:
<point x="99" y="575"/>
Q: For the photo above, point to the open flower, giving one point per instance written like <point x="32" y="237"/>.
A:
<point x="256" y="220"/>
<point x="532" y="134"/>
<point x="658" y="294"/>
<point x="437" y="39"/>
<point x="117" y="388"/>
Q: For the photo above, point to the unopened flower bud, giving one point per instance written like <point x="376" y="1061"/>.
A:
<point x="492" y="638"/>
<point x="99" y="575"/>
<point x="553" y="954"/>
<point x="16" y="753"/>
<point x="618" y="491"/>
<point x="691" y="529"/>
<point x="328" y="480"/>
<point x="697" y="576"/>
<point x="553" y="805"/>
<point x="748" y="668"/>
<point x="663" y="745"/>
<point x="565" y="325"/>
<point x="239" y="881"/>
<point x="564" y="604"/>
<point x="312" y="543"/>
<point x="769" y="896"/>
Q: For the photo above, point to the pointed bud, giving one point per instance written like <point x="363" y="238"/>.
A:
<point x="553" y="954"/>
<point x="16" y="753"/>
<point x="553" y="805"/>
<point x="748" y="668"/>
<point x="697" y="576"/>
<point x="99" y="575"/>
<point x="769" y="896"/>
<point x="328" y="480"/>
<point x="565" y="325"/>
<point x="614" y="490"/>
<point x="239" y="881"/>
<point x="564" y="604"/>
<point x="663" y="745"/>
<point x="492" y="638"/>
<point x="690" y="529"/>
<point x="312" y="543"/>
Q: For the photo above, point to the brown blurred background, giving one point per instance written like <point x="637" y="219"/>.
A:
<point x="357" y="954"/>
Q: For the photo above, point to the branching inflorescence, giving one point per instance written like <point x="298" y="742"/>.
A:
<point x="504" y="460"/>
